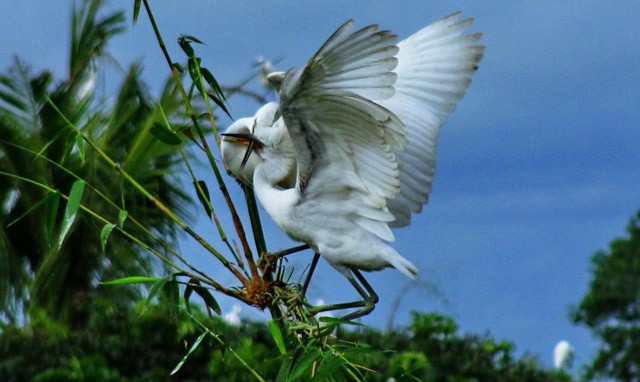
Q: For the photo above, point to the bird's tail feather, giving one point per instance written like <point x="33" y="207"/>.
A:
<point x="404" y="266"/>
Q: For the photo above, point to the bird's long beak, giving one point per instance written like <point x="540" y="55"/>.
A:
<point x="244" y="139"/>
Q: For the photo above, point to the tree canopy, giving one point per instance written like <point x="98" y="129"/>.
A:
<point x="611" y="308"/>
<point x="47" y="263"/>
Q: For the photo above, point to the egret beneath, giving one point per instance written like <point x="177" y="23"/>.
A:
<point x="563" y="355"/>
<point x="357" y="129"/>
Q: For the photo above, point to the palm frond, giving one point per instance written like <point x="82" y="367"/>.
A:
<point x="63" y="278"/>
<point x="22" y="94"/>
<point x="90" y="33"/>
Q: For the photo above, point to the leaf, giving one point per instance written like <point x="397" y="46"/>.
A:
<point x="211" y="80"/>
<point x="178" y="67"/>
<point x="220" y="104"/>
<point x="285" y="367"/>
<point x="204" y="196"/>
<point x="155" y="288"/>
<point x="208" y="299"/>
<point x="185" y="45"/>
<point x="191" y="38"/>
<point x="188" y="290"/>
<point x="122" y="216"/>
<point x="277" y="336"/>
<point x="219" y="97"/>
<point x="304" y="364"/>
<point x="132" y="280"/>
<point x="80" y="146"/>
<point x="51" y="205"/>
<point x="194" y="65"/>
<point x="104" y="235"/>
<point x="191" y="350"/>
<point x="136" y="10"/>
<point x="337" y="321"/>
<point x="71" y="211"/>
<point x="171" y="291"/>
<point x="329" y="366"/>
<point x="164" y="134"/>
<point x="30" y="210"/>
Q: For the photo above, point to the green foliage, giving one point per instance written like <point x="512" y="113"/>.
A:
<point x="55" y="256"/>
<point x="146" y="342"/>
<point x="432" y="350"/>
<point x="128" y="343"/>
<point x="52" y="255"/>
<point x="411" y="366"/>
<point x="611" y="308"/>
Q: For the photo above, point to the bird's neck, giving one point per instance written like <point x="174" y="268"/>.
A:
<point x="274" y="170"/>
<point x="276" y="201"/>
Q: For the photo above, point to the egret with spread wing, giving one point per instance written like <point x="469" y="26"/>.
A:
<point x="358" y="128"/>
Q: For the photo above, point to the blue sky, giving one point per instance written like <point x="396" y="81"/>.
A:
<point x="537" y="169"/>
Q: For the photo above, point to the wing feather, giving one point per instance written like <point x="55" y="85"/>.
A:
<point x="345" y="141"/>
<point x="434" y="70"/>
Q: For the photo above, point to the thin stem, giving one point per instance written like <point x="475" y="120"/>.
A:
<point x="227" y="347"/>
<point x="256" y="227"/>
<point x="203" y="196"/>
<point x="236" y="219"/>
<point x="134" y="239"/>
<point x="109" y="202"/>
<point x="152" y="198"/>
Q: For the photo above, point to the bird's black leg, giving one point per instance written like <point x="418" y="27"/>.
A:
<point x="269" y="258"/>
<point x="367" y="304"/>
<point x="307" y="280"/>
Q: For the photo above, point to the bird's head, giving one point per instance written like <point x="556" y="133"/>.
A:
<point x="249" y="141"/>
<point x="234" y="148"/>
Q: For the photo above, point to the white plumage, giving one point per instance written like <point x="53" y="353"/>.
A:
<point x="357" y="129"/>
<point x="563" y="355"/>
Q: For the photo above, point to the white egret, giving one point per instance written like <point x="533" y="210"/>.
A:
<point x="358" y="127"/>
<point x="563" y="355"/>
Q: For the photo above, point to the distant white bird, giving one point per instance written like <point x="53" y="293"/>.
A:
<point x="563" y="355"/>
<point x="358" y="127"/>
<point x="233" y="317"/>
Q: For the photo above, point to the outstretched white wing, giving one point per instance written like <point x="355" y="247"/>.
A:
<point x="343" y="139"/>
<point x="435" y="66"/>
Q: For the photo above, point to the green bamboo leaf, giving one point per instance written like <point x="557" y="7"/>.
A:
<point x="136" y="10"/>
<point x="208" y="298"/>
<point x="51" y="205"/>
<point x="71" y="211"/>
<point x="329" y="367"/>
<point x="220" y="104"/>
<point x="304" y="364"/>
<point x="338" y="321"/>
<point x="204" y="197"/>
<point x="178" y="67"/>
<point x="171" y="291"/>
<point x="80" y="146"/>
<point x="156" y="288"/>
<point x="277" y="336"/>
<point x="164" y="134"/>
<point x="211" y="80"/>
<point x="188" y="290"/>
<point x="122" y="216"/>
<point x="185" y="45"/>
<point x="30" y="210"/>
<point x="104" y="235"/>
<point x="132" y="280"/>
<point x="191" y="38"/>
<point x="285" y="367"/>
<point x="191" y="350"/>
<point x="193" y="64"/>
